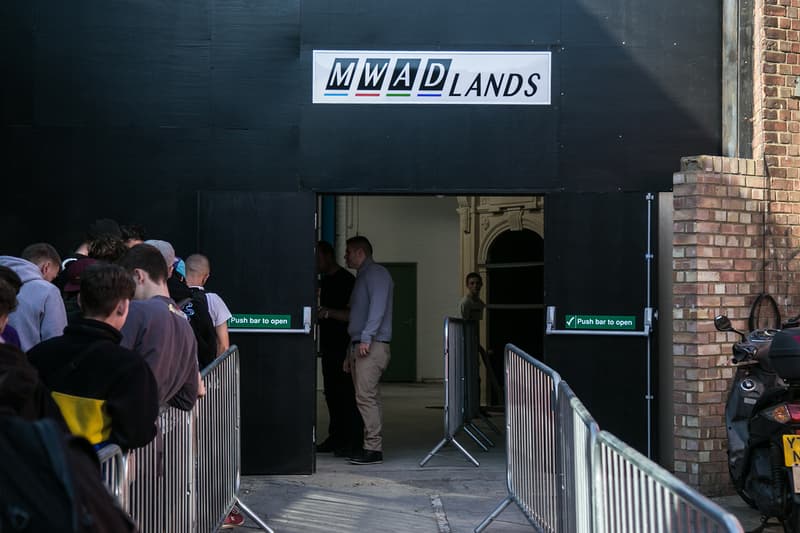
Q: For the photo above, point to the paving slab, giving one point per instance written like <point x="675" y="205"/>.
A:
<point x="748" y="517"/>
<point x="449" y="494"/>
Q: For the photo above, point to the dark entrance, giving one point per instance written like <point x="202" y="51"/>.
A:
<point x="515" y="296"/>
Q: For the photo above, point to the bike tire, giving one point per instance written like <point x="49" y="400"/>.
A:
<point x="764" y="313"/>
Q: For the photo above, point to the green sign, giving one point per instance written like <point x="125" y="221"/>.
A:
<point x="606" y="322"/>
<point x="248" y="321"/>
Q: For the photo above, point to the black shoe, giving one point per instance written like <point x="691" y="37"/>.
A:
<point x="354" y="453"/>
<point x="326" y="446"/>
<point x="368" y="457"/>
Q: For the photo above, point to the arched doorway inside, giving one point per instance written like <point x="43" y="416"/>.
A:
<point x="515" y="297"/>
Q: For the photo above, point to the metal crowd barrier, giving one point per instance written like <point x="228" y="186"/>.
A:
<point x="636" y="494"/>
<point x="462" y="388"/>
<point x="566" y="475"/>
<point x="112" y="469"/>
<point x="578" y="433"/>
<point x="187" y="479"/>
<point x="532" y="451"/>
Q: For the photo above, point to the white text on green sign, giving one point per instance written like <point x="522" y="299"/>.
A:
<point x="241" y="321"/>
<point x="607" y="322"/>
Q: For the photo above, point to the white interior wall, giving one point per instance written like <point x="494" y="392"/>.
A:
<point x="421" y="230"/>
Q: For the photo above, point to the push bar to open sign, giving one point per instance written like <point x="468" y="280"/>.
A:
<point x="611" y="325"/>
<point x="257" y="323"/>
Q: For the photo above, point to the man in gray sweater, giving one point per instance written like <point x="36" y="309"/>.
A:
<point x="40" y="314"/>
<point x="370" y="329"/>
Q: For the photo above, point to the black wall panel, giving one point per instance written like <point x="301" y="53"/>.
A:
<point x="635" y="87"/>
<point x="595" y="249"/>
<point x="270" y="239"/>
<point x="127" y="109"/>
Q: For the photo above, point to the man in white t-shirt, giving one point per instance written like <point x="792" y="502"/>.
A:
<point x="198" y="269"/>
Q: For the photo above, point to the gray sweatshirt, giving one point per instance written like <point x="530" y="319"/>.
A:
<point x="40" y="313"/>
<point x="371" y="304"/>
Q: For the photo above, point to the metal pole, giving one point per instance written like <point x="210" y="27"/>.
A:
<point x="649" y="258"/>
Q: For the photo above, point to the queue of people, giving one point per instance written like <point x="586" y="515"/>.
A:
<point x="93" y="347"/>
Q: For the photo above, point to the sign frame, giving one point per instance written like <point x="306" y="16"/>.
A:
<point x="432" y="77"/>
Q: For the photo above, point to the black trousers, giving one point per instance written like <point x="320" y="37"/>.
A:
<point x="346" y="428"/>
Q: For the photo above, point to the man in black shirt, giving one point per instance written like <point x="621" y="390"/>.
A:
<point x="345" y="432"/>
<point x="106" y="393"/>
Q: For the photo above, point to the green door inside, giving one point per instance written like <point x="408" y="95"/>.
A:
<point x="403" y="364"/>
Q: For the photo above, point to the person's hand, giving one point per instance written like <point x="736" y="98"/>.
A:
<point x="322" y="313"/>
<point x="346" y="364"/>
<point x="201" y="386"/>
<point x="363" y="349"/>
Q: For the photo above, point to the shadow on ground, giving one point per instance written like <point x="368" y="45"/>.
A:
<point x="397" y="495"/>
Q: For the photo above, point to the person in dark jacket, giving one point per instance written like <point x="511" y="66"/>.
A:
<point x="106" y="393"/>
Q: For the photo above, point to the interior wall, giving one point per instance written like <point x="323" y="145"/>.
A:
<point x="421" y="230"/>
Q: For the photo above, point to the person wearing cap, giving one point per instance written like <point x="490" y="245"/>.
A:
<point x="73" y="286"/>
<point x="192" y="303"/>
<point x="40" y="314"/>
<point x="100" y="228"/>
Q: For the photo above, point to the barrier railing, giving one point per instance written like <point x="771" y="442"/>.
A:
<point x="636" y="494"/>
<point x="462" y="388"/>
<point x="578" y="433"/>
<point x="567" y="475"/>
<point x="112" y="469"/>
<point x="187" y="479"/>
<point x="531" y="441"/>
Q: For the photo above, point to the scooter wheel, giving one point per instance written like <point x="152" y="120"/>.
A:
<point x="792" y="522"/>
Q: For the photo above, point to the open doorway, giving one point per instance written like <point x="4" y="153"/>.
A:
<point x="515" y="298"/>
<point x="429" y="244"/>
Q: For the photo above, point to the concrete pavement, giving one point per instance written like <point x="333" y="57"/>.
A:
<point x="447" y="495"/>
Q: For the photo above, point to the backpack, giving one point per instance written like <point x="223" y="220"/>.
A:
<point x="50" y="481"/>
<point x="195" y="308"/>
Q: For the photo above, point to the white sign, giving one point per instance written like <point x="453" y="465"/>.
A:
<point x="477" y="78"/>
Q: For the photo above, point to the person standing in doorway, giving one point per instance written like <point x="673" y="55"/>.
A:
<point x="345" y="430"/>
<point x="370" y="330"/>
<point x="471" y="306"/>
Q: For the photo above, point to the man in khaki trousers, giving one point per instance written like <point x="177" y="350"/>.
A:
<point x="370" y="329"/>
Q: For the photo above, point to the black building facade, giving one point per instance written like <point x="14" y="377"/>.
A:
<point x="195" y="119"/>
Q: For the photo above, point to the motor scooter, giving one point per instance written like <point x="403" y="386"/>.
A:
<point x="762" y="418"/>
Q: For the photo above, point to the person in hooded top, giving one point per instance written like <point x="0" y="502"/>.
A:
<point x="40" y="314"/>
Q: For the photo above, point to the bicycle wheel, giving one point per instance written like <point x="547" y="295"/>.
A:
<point x="764" y="313"/>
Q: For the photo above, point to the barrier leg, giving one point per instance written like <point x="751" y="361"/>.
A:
<point x="252" y="516"/>
<point x="489" y="423"/>
<point x="494" y="514"/>
<point x="465" y="452"/>
<point x="433" y="452"/>
<point x="481" y="434"/>
<point x="476" y="439"/>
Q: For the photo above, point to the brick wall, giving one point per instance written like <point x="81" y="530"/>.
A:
<point x="776" y="66"/>
<point x="719" y="245"/>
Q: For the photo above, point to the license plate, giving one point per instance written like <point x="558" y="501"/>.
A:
<point x="791" y="450"/>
